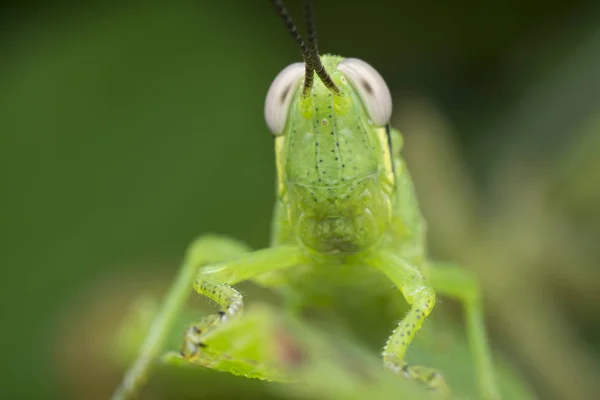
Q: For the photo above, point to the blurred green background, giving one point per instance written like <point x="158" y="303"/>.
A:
<point x="127" y="130"/>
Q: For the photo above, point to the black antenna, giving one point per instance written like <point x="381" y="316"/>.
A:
<point x="314" y="48"/>
<point x="308" y="62"/>
<point x="309" y="14"/>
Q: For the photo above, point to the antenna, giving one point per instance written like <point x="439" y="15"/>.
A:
<point x="314" y="48"/>
<point x="291" y="27"/>
<point x="312" y="60"/>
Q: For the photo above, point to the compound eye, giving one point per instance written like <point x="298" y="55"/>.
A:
<point x="280" y="95"/>
<point x="371" y="88"/>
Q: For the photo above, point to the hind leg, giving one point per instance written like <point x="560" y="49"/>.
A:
<point x="459" y="283"/>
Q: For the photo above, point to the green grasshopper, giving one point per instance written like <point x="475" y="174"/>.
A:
<point x="346" y="222"/>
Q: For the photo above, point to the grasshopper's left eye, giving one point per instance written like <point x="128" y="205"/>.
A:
<point x="371" y="88"/>
<point x="280" y="95"/>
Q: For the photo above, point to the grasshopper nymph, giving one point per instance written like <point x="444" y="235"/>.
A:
<point x="345" y="203"/>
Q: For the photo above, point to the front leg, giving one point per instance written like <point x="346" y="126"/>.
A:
<point x="204" y="250"/>
<point x="214" y="282"/>
<point x="231" y="304"/>
<point x="201" y="256"/>
<point x="421" y="298"/>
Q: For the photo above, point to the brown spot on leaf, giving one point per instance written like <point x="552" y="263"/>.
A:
<point x="289" y="351"/>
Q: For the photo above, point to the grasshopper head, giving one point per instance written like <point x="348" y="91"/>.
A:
<point x="332" y="149"/>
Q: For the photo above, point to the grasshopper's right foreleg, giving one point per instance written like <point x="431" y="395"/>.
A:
<point x="205" y="270"/>
<point x="207" y="249"/>
<point x="214" y="281"/>
<point x="231" y="304"/>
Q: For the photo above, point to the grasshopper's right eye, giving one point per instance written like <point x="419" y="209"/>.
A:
<point x="280" y="95"/>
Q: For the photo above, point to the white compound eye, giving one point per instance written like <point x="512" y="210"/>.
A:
<point x="371" y="88"/>
<point x="280" y="95"/>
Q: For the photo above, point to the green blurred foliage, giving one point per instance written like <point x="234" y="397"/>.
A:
<point x="127" y="130"/>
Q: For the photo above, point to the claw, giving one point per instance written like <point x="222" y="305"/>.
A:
<point x="431" y="378"/>
<point x="192" y="341"/>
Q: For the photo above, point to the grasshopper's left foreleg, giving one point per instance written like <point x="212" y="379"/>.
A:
<point x="461" y="284"/>
<point x="421" y="298"/>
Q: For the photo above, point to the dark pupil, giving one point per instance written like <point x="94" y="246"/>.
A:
<point x="285" y="93"/>
<point x="367" y="87"/>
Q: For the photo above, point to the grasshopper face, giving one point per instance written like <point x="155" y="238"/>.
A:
<point x="333" y="154"/>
